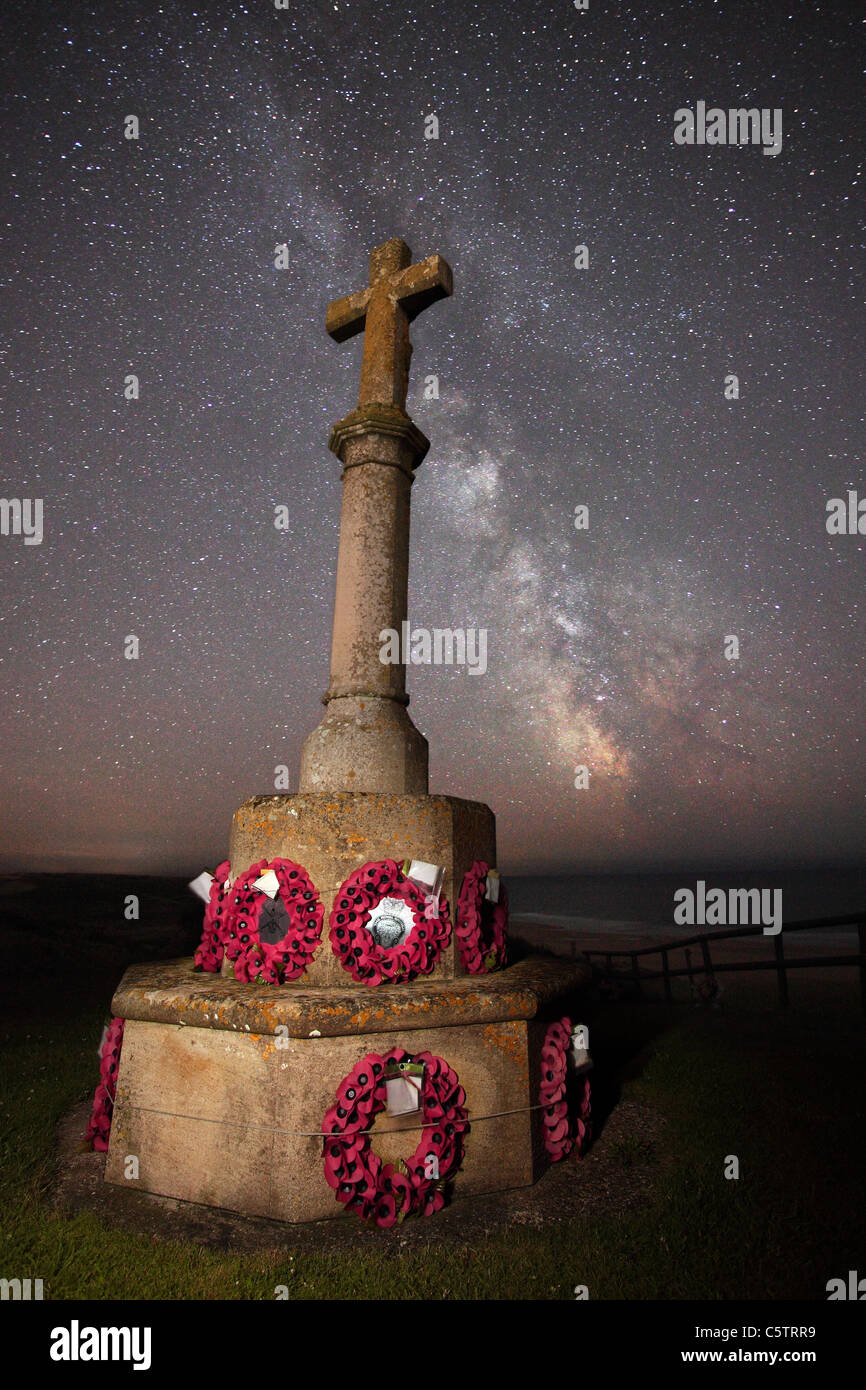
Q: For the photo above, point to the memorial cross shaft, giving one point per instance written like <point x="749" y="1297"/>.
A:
<point x="366" y="741"/>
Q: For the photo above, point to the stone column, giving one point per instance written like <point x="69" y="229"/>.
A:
<point x="366" y="741"/>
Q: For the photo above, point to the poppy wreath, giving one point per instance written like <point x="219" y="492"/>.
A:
<point x="361" y="1181"/>
<point x="481" y="926"/>
<point x="367" y="961"/>
<point x="99" y="1127"/>
<point x="561" y="1131"/>
<point x="257" y="961"/>
<point x="210" y="950"/>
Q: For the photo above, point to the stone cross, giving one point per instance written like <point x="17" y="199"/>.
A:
<point x="366" y="741"/>
<point x="398" y="292"/>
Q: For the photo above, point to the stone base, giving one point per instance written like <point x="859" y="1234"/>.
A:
<point x="333" y="834"/>
<point x="367" y="743"/>
<point x="220" y="1108"/>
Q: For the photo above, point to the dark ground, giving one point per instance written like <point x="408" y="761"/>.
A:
<point x="643" y="1215"/>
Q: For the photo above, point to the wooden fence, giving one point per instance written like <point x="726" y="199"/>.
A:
<point x="780" y="963"/>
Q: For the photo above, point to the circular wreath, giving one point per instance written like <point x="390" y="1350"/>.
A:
<point x="99" y="1126"/>
<point x="481" y="925"/>
<point x="272" y="961"/>
<point x="564" y="1126"/>
<point x="361" y="1181"/>
<point x="210" y="950"/>
<point x="367" y="961"/>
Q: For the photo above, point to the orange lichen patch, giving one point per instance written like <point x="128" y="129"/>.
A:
<point x="171" y="992"/>
<point x="506" y="1040"/>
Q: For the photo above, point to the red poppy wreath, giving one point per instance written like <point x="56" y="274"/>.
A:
<point x="383" y="927"/>
<point x="210" y="950"/>
<point x="481" y="925"/>
<point x="361" y="1181"/>
<point x="562" y="1129"/>
<point x="269" y="940"/>
<point x="99" y="1127"/>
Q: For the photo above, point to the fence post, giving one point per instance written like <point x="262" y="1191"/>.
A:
<point x="780" y="970"/>
<point x="666" y="968"/>
<point x="688" y="955"/>
<point x="705" y="952"/>
<point x="636" y="974"/>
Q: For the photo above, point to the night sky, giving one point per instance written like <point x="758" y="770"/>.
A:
<point x="558" y="387"/>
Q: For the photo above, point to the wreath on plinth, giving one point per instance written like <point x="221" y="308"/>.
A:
<point x="371" y="961"/>
<point x="99" y="1126"/>
<point x="481" y="925"/>
<point x="210" y="950"/>
<point x="564" y="1127"/>
<point x="270" y="941"/>
<point x="379" y="1191"/>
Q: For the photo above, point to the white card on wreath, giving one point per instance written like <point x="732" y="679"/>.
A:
<point x="429" y="877"/>
<point x="578" y="1051"/>
<point x="268" y="883"/>
<point x="201" y="885"/>
<point x="404" y="1095"/>
<point x="491" y="887"/>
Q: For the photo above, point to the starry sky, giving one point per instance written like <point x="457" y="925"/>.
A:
<point x="559" y="387"/>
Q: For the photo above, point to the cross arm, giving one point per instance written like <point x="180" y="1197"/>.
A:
<point x="421" y="285"/>
<point x="345" y="317"/>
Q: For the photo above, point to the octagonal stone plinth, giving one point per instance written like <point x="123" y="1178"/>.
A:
<point x="223" y="1087"/>
<point x="332" y="834"/>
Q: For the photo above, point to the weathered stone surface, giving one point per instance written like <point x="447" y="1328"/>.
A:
<point x="332" y="835"/>
<point x="232" y="1120"/>
<point x="366" y="741"/>
<point x="173" y="992"/>
<point x="397" y="293"/>
<point x="221" y="1109"/>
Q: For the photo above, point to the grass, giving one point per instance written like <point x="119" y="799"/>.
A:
<point x="782" y="1094"/>
<point x="631" y="1153"/>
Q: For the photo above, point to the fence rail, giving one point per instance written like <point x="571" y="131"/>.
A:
<point x="780" y="963"/>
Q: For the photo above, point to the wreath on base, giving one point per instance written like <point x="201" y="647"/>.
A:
<point x="564" y="1127"/>
<point x="367" y="961"/>
<point x="361" y="1181"/>
<point x="210" y="950"/>
<point x="481" y="925"/>
<point x="270" y="941"/>
<point x="99" y="1126"/>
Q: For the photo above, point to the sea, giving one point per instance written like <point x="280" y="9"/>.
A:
<point x="643" y="903"/>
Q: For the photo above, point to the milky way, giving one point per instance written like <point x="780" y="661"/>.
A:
<point x="558" y="387"/>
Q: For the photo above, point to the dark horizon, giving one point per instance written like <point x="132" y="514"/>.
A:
<point x="702" y="870"/>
